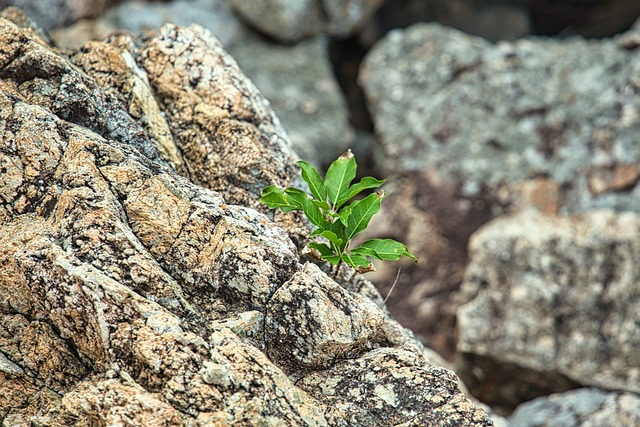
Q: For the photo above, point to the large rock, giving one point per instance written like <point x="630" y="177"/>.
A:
<point x="580" y="408"/>
<point x="557" y="296"/>
<point x="470" y="130"/>
<point x="485" y="116"/>
<point x="123" y="283"/>
<point x="291" y="20"/>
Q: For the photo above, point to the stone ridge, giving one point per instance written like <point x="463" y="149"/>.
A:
<point x="130" y="295"/>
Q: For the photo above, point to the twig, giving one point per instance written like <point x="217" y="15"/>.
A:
<point x="392" y="286"/>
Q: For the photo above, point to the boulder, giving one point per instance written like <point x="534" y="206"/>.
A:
<point x="51" y="15"/>
<point x="470" y="130"/>
<point x="292" y="20"/>
<point x="557" y="296"/>
<point x="583" y="407"/>
<point x="134" y="287"/>
<point x="487" y="116"/>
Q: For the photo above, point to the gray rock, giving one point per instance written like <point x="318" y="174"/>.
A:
<point x="138" y="16"/>
<point x="556" y="296"/>
<point x="335" y="325"/>
<point x="580" y="408"/>
<point x="291" y="20"/>
<point x="57" y="13"/>
<point x="301" y="86"/>
<point x="489" y="116"/>
<point x="373" y="390"/>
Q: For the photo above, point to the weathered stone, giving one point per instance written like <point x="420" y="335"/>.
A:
<point x="334" y="324"/>
<point x="556" y="295"/>
<point x="585" y="408"/>
<point x="487" y="117"/>
<point x="122" y="282"/>
<point x="291" y="20"/>
<point x="374" y="390"/>
<point x="470" y="130"/>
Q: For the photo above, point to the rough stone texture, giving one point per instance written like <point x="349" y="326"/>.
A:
<point x="316" y="343"/>
<point x="291" y="20"/>
<point x="579" y="408"/>
<point x="470" y="130"/>
<point x="556" y="295"/>
<point x="123" y="284"/>
<point x="298" y="80"/>
<point x="231" y="139"/>
<point x="491" y="116"/>
<point x="388" y="378"/>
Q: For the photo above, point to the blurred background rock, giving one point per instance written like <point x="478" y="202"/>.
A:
<point x="473" y="110"/>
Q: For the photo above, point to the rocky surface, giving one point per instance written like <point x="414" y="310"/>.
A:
<point x="584" y="408"/>
<point x="130" y="293"/>
<point x="483" y="116"/>
<point x="297" y="80"/>
<point x="555" y="295"/>
<point x="471" y="130"/>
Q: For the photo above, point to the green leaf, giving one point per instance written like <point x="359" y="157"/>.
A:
<point x="355" y="260"/>
<point x="326" y="252"/>
<point x="384" y="249"/>
<point x="313" y="178"/>
<point x="365" y="183"/>
<point x="329" y="235"/>
<point x="338" y="177"/>
<point x="312" y="212"/>
<point x="322" y="205"/>
<point x="361" y="213"/>
<point x="275" y="197"/>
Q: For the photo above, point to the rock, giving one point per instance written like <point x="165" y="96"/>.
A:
<point x="584" y="407"/>
<point x="129" y="294"/>
<point x="332" y="328"/>
<point x="469" y="130"/>
<point x="557" y="296"/>
<point x="61" y="13"/>
<point x="290" y="21"/>
<point x="298" y="80"/>
<point x="138" y="16"/>
<point x="373" y="390"/>
<point x="488" y="117"/>
<point x="300" y="84"/>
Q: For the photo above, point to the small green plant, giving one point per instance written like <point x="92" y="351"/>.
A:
<point x="338" y="217"/>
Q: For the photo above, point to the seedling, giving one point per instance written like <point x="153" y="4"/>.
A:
<point x="338" y="217"/>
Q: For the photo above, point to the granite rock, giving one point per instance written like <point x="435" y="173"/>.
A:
<point x="130" y="294"/>
<point x="557" y="296"/>
<point x="584" y="407"/>
<point x="490" y="117"/>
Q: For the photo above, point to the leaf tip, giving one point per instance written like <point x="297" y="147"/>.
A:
<point x="346" y="155"/>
